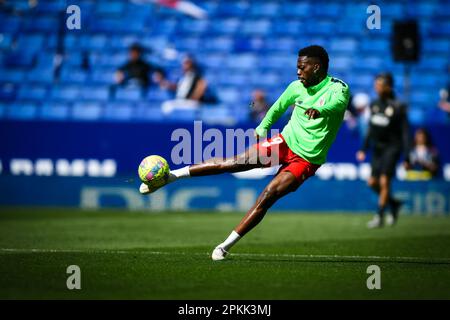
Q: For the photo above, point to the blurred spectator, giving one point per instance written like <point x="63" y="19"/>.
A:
<point x="444" y="93"/>
<point x="423" y="159"/>
<point x="138" y="71"/>
<point x="190" y="90"/>
<point x="358" y="114"/>
<point x="259" y="105"/>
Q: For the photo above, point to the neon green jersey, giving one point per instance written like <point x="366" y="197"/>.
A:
<point x="310" y="139"/>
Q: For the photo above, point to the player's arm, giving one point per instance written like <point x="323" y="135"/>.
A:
<point x="280" y="106"/>
<point x="338" y="101"/>
<point x="337" y="104"/>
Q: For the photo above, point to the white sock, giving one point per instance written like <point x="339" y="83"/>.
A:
<point x="179" y="173"/>
<point x="231" y="241"/>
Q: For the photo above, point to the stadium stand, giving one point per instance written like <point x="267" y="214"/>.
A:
<point x="242" y="45"/>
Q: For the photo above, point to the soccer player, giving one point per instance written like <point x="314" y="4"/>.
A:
<point x="320" y="102"/>
<point x="388" y="135"/>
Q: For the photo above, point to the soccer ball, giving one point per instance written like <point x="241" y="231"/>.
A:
<point x="154" y="171"/>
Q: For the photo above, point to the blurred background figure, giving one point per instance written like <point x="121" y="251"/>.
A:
<point x="191" y="90"/>
<point x="259" y="105"/>
<point x="444" y="101"/>
<point x="423" y="159"/>
<point x="388" y="136"/>
<point x="358" y="114"/>
<point x="136" y="71"/>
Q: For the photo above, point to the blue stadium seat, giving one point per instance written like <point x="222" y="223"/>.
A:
<point x="119" y="112"/>
<point x="146" y="112"/>
<point x="267" y="9"/>
<point x="30" y="43"/>
<point x="245" y="44"/>
<point x="12" y="76"/>
<point x="22" y="111"/>
<point x="73" y="75"/>
<point x="7" y="92"/>
<point x="233" y="9"/>
<point x="241" y="62"/>
<point x="69" y="93"/>
<point x="55" y="111"/>
<point x="183" y="116"/>
<point x="40" y="74"/>
<point x="343" y="45"/>
<point x="221" y="115"/>
<point x="296" y="9"/>
<point x="227" y="26"/>
<point x="229" y="95"/>
<point x="5" y="40"/>
<point x="32" y="92"/>
<point x="129" y="94"/>
<point x="256" y="27"/>
<point x="329" y="10"/>
<point x="158" y="95"/>
<point x="220" y="44"/>
<point x="96" y="93"/>
<point x="102" y="76"/>
<point x="51" y="6"/>
<point x="110" y="8"/>
<point x="87" y="111"/>
<point x="10" y="24"/>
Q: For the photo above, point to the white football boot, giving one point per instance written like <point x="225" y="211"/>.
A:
<point x="390" y="220"/>
<point x="219" y="253"/>
<point x="376" y="222"/>
<point x="146" y="189"/>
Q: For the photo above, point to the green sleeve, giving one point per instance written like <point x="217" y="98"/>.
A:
<point x="338" y="101"/>
<point x="280" y="106"/>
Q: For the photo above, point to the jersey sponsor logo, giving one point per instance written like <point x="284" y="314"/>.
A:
<point x="380" y="120"/>
<point x="389" y="111"/>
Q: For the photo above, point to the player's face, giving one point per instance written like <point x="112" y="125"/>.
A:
<point x="306" y="68"/>
<point x="421" y="138"/>
<point x="381" y="87"/>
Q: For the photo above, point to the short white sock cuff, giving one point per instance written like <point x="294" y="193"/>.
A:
<point x="231" y="240"/>
<point x="182" y="172"/>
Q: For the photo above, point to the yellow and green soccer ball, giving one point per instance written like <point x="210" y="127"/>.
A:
<point x="154" y="171"/>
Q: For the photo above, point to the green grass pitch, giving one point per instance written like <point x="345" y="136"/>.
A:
<point x="139" y="255"/>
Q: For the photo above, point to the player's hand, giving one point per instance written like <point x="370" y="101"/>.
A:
<point x="312" y="113"/>
<point x="360" y="156"/>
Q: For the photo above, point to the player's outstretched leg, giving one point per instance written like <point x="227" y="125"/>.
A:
<point x="282" y="184"/>
<point x="247" y="160"/>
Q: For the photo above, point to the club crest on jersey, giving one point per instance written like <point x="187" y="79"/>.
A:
<point x="321" y="102"/>
<point x="389" y="111"/>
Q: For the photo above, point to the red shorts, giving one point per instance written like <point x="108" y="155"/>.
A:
<point x="278" y="151"/>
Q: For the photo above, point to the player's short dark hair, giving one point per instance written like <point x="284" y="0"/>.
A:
<point x="387" y="78"/>
<point x="136" y="47"/>
<point x="316" y="52"/>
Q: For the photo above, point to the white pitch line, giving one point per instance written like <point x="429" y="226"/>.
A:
<point x="261" y="255"/>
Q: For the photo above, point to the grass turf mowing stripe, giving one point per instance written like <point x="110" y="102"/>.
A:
<point x="312" y="257"/>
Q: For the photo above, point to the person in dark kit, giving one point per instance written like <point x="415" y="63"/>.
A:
<point x="136" y="70"/>
<point x="388" y="137"/>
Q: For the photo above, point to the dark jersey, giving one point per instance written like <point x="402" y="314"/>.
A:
<point x="139" y="70"/>
<point x="388" y="125"/>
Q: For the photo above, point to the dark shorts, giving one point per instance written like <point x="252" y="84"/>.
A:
<point x="289" y="161"/>
<point x="384" y="161"/>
